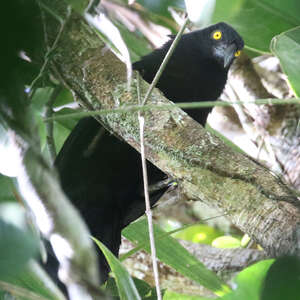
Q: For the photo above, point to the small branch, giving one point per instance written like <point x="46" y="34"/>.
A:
<point x="49" y="123"/>
<point x="50" y="49"/>
<point x="219" y="259"/>
<point x="184" y="105"/>
<point x="204" y="166"/>
<point x="148" y="210"/>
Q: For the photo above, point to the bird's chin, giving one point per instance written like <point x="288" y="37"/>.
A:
<point x="225" y="54"/>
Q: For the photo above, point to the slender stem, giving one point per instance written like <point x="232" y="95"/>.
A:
<point x="148" y="208"/>
<point x="49" y="124"/>
<point x="49" y="50"/>
<point x="147" y="198"/>
<point x="184" y="105"/>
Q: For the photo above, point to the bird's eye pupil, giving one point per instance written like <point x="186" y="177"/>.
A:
<point x="237" y="53"/>
<point x="217" y="35"/>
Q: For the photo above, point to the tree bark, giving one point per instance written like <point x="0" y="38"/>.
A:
<point x="256" y="201"/>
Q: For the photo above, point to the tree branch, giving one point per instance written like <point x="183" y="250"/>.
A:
<point x="206" y="169"/>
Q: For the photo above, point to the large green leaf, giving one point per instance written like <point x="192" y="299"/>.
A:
<point x="125" y="284"/>
<point x="169" y="295"/>
<point x="249" y="282"/>
<point x="170" y="252"/>
<point x="290" y="9"/>
<point x="17" y="247"/>
<point x="286" y="47"/>
<point x="258" y="21"/>
<point x="34" y="279"/>
<point x="282" y="280"/>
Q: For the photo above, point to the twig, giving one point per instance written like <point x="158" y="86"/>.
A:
<point x="49" y="123"/>
<point x="147" y="198"/>
<point x="148" y="209"/>
<point x="144" y="167"/>
<point x="49" y="50"/>
<point x="184" y="105"/>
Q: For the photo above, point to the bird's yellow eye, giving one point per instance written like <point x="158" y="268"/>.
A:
<point x="217" y="35"/>
<point x="237" y="53"/>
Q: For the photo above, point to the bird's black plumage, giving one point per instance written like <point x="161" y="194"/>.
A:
<point x="102" y="175"/>
<point x="196" y="70"/>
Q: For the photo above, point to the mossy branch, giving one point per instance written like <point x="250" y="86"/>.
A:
<point x="256" y="201"/>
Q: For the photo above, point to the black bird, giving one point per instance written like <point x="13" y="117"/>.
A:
<point x="101" y="175"/>
<point x="197" y="69"/>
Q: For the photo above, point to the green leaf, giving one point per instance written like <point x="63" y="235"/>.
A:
<point x="249" y="282"/>
<point x="144" y="289"/>
<point x="67" y="122"/>
<point x="64" y="97"/>
<point x="40" y="98"/>
<point x="286" y="47"/>
<point x="199" y="233"/>
<point x="78" y="5"/>
<point x="63" y="127"/>
<point x="6" y="189"/>
<point x="126" y="287"/>
<point x="169" y="295"/>
<point x="226" y="242"/>
<point x="34" y="279"/>
<point x="288" y="9"/>
<point x="138" y="46"/>
<point x="283" y="278"/>
<point x="17" y="247"/>
<point x="173" y="254"/>
<point x="258" y="21"/>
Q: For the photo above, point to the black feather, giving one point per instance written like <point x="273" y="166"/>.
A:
<point x="102" y="175"/>
<point x="194" y="72"/>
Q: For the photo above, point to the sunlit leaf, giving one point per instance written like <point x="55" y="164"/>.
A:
<point x="282" y="280"/>
<point x="257" y="21"/>
<point x="169" y="295"/>
<point x="286" y="47"/>
<point x="199" y="233"/>
<point x="249" y="282"/>
<point x="226" y="242"/>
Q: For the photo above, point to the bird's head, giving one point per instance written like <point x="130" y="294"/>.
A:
<point x="223" y="42"/>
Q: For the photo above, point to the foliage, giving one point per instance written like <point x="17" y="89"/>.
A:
<point x="268" y="26"/>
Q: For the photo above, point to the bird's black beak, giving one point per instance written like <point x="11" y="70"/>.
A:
<point x="229" y="54"/>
